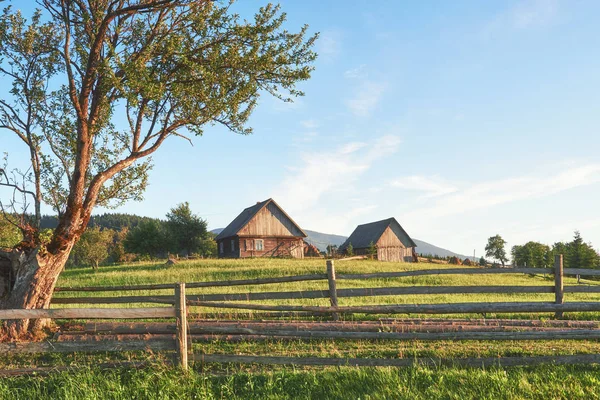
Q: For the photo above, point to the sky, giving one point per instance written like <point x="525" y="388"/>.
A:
<point x="461" y="119"/>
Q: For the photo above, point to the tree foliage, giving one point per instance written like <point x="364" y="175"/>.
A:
<point x="150" y="239"/>
<point x="93" y="247"/>
<point x="94" y="88"/>
<point x="10" y="235"/>
<point x="372" y="250"/>
<point x="186" y="231"/>
<point x="349" y="250"/>
<point x="576" y="254"/>
<point x="495" y="249"/>
<point x="531" y="254"/>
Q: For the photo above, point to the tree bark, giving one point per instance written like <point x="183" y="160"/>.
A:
<point x="33" y="277"/>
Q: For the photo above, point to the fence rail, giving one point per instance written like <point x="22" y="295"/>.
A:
<point x="177" y="335"/>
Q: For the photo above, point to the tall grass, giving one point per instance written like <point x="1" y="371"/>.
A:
<point x="330" y="383"/>
<point x="270" y="382"/>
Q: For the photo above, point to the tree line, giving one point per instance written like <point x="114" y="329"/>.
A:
<point x="576" y="254"/>
<point x="117" y="237"/>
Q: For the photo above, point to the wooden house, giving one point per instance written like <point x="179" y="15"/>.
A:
<point x="263" y="230"/>
<point x="386" y="239"/>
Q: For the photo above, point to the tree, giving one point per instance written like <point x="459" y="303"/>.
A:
<point x="149" y="239"/>
<point x="350" y="250"/>
<point x="581" y="254"/>
<point x="372" y="250"/>
<point x="116" y="250"/>
<point x="208" y="247"/>
<point x="169" y="67"/>
<point x="93" y="247"/>
<point x="531" y="254"/>
<point x="10" y="235"/>
<point x="185" y="229"/>
<point x="482" y="262"/>
<point x="495" y="249"/>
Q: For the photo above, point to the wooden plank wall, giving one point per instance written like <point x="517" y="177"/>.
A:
<point x="390" y="248"/>
<point x="270" y="221"/>
<point x="247" y="246"/>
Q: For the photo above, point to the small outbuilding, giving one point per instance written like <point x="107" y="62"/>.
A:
<point x="386" y="239"/>
<point x="262" y="230"/>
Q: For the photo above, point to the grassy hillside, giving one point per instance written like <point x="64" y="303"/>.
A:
<point x="208" y="270"/>
<point x="251" y="381"/>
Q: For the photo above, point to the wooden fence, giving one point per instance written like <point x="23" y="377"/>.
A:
<point x="167" y="336"/>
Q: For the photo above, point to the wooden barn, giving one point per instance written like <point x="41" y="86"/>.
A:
<point x="391" y="241"/>
<point x="263" y="230"/>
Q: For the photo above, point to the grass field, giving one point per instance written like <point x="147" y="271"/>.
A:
<point x="234" y="381"/>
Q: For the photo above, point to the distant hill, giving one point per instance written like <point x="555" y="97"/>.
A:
<point x="428" y="248"/>
<point x="322" y="240"/>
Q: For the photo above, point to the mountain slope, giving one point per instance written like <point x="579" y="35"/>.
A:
<point x="322" y="240"/>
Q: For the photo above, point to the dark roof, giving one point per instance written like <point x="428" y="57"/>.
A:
<point x="364" y="234"/>
<point x="245" y="216"/>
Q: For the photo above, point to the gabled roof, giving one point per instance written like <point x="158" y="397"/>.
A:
<point x="364" y="234"/>
<point x="245" y="216"/>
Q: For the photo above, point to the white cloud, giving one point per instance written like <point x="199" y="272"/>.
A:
<point x="351" y="147"/>
<point x="534" y="13"/>
<point x="431" y="187"/>
<point x="528" y="14"/>
<point x="305" y="137"/>
<point x="358" y="211"/>
<point x="310" y="124"/>
<point x="383" y="146"/>
<point x="358" y="72"/>
<point x="488" y="194"/>
<point x="329" y="44"/>
<point x="366" y="99"/>
<point x="328" y="171"/>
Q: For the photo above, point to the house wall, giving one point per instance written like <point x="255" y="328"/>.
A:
<point x="272" y="247"/>
<point x="390" y="248"/>
<point x="270" y="221"/>
<point x="226" y="245"/>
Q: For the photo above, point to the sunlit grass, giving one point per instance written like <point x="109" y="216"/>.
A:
<point x="264" y="381"/>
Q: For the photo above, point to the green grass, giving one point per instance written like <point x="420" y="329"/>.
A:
<point x="330" y="383"/>
<point x="253" y="381"/>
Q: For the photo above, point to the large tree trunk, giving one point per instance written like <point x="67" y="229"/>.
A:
<point x="29" y="284"/>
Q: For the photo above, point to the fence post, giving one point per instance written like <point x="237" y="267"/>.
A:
<point x="558" y="283"/>
<point x="332" y="287"/>
<point x="181" y="317"/>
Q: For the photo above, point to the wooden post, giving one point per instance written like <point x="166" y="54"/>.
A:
<point x="558" y="283"/>
<point x="181" y="316"/>
<point x="332" y="287"/>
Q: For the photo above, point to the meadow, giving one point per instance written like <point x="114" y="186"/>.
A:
<point x="253" y="381"/>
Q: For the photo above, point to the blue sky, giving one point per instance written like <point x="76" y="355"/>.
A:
<point x="462" y="119"/>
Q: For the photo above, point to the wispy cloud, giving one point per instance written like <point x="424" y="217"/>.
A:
<point x="527" y="14"/>
<point x="366" y="98"/>
<point x="429" y="186"/>
<point x="358" y="211"/>
<point x="533" y="13"/>
<point x="330" y="44"/>
<point x="355" y="73"/>
<point x="488" y="194"/>
<point x="310" y="124"/>
<point x="351" y="147"/>
<point x="324" y="172"/>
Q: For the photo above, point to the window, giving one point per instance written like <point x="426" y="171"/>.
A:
<point x="258" y="244"/>
<point x="232" y="246"/>
<point x="249" y="245"/>
<point x="221" y="247"/>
